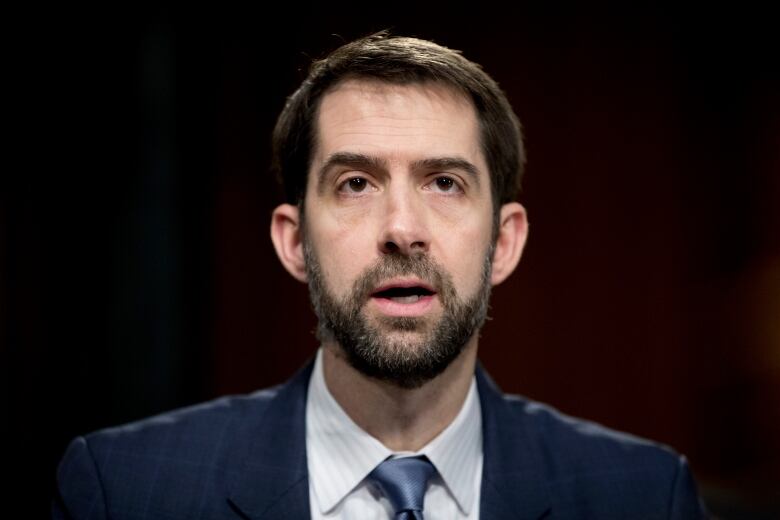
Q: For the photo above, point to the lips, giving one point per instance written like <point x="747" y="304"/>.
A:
<point x="404" y="298"/>
<point x="403" y="292"/>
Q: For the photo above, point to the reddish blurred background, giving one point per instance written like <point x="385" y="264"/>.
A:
<point x="138" y="273"/>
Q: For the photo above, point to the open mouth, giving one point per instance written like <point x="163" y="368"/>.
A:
<point x="403" y="294"/>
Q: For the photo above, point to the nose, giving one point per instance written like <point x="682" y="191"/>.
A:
<point x="404" y="226"/>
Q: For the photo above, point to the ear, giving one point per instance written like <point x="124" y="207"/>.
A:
<point x="512" y="233"/>
<point x="288" y="240"/>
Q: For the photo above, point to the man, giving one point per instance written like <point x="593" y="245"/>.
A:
<point x="401" y="161"/>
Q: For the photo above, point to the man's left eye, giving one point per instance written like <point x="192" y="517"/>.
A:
<point x="445" y="184"/>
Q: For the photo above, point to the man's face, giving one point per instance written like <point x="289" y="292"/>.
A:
<point x="397" y="227"/>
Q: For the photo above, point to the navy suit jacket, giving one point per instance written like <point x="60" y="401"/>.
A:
<point x="245" y="457"/>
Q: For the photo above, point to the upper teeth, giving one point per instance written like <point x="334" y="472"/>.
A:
<point x="406" y="299"/>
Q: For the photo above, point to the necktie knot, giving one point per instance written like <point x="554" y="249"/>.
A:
<point x="403" y="481"/>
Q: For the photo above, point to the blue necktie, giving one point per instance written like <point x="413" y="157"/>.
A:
<point x="403" y="482"/>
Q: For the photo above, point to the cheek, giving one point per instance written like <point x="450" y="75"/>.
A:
<point x="339" y="242"/>
<point x="342" y="254"/>
<point x="464" y="259"/>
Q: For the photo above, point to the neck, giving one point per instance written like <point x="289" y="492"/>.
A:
<point x="400" y="418"/>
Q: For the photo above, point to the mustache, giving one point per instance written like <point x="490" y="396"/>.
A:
<point x="394" y="265"/>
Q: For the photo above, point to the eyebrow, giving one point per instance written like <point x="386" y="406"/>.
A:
<point x="367" y="162"/>
<point x="448" y="163"/>
<point x="358" y="161"/>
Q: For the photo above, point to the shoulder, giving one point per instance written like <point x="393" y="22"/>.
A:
<point x="184" y="428"/>
<point x="561" y="439"/>
<point x="210" y="430"/>
<point x="580" y="466"/>
<point x="194" y="433"/>
<point x="157" y="467"/>
<point x="565" y="441"/>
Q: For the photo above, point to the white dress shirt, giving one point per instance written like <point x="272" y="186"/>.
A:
<point x="340" y="455"/>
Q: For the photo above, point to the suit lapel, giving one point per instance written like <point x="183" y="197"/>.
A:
<point x="273" y="482"/>
<point x="513" y="480"/>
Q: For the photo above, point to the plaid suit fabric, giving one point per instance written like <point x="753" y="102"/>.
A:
<point x="245" y="457"/>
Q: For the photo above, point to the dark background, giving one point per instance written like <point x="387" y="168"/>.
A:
<point x="138" y="276"/>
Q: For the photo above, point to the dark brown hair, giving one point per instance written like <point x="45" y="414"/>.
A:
<point x="400" y="61"/>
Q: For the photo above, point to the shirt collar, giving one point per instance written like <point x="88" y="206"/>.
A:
<point x="341" y="454"/>
<point x="457" y="451"/>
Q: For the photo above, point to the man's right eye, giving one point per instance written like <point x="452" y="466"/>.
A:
<point x="354" y="185"/>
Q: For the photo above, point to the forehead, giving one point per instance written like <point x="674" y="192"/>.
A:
<point x="397" y="122"/>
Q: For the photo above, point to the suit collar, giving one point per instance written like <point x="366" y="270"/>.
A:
<point x="273" y="482"/>
<point x="513" y="480"/>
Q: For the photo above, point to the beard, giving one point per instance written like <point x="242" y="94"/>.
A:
<point x="404" y="351"/>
